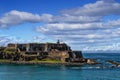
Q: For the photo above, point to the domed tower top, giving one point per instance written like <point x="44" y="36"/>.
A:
<point x="58" y="41"/>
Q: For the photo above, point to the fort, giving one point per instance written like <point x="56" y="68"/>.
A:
<point x="42" y="52"/>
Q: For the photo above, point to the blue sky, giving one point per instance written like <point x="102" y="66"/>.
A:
<point x="87" y="25"/>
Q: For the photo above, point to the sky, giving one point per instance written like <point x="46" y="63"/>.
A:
<point x="87" y="25"/>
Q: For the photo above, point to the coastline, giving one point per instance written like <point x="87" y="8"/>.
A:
<point x="41" y="63"/>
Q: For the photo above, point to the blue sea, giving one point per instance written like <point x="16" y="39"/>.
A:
<point x="103" y="71"/>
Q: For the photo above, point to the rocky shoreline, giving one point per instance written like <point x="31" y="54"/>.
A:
<point x="46" y="63"/>
<point x="43" y="63"/>
<point x="2" y="62"/>
<point x="89" y="62"/>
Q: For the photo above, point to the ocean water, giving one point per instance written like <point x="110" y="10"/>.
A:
<point x="103" y="71"/>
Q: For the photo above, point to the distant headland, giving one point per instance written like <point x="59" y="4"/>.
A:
<point x="42" y="53"/>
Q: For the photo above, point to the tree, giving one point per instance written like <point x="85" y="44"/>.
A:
<point x="11" y="53"/>
<point x="1" y="52"/>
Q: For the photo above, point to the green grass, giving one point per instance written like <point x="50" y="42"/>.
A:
<point x="33" y="61"/>
<point x="5" y="60"/>
<point x="46" y="61"/>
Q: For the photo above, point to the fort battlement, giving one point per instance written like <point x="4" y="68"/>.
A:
<point x="58" y="51"/>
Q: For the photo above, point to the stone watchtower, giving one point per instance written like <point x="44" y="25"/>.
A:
<point x="58" y="41"/>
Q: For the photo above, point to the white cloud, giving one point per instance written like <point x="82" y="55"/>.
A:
<point x="66" y="18"/>
<point x="55" y="28"/>
<point x="46" y="17"/>
<point x="82" y="27"/>
<point x="16" y="17"/>
<point x="114" y="23"/>
<point x="100" y="8"/>
<point x="5" y="39"/>
<point x="113" y="47"/>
